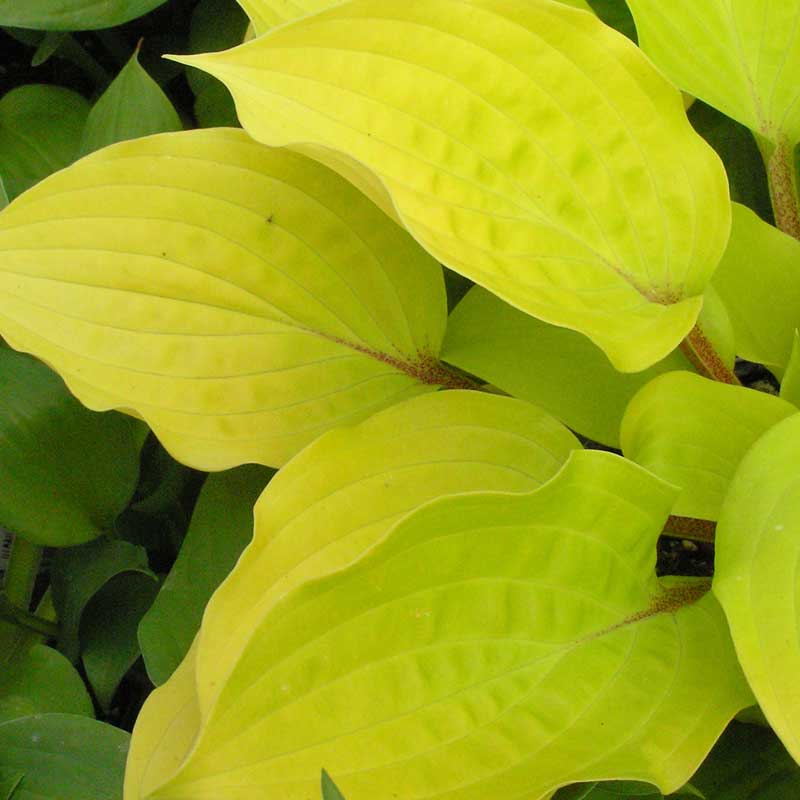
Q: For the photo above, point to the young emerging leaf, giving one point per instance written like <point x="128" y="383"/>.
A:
<point x="471" y="654"/>
<point x="545" y="364"/>
<point x="328" y="506"/>
<point x="133" y="105"/>
<point x="523" y="143"/>
<point x="242" y="300"/>
<point x="756" y="575"/>
<point x="758" y="279"/>
<point x="694" y="433"/>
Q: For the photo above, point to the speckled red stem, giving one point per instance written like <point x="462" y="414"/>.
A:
<point x="700" y="351"/>
<point x="783" y="187"/>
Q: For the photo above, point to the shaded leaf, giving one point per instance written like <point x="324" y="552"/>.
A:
<point x="78" y="573"/>
<point x="72" y="15"/>
<point x="132" y="106"/>
<point x="328" y="506"/>
<point x="66" y="471"/>
<point x="694" y="432"/>
<point x="545" y="364"/>
<point x="202" y="299"/>
<point x="40" y="131"/>
<point x="47" y="47"/>
<point x="756" y="577"/>
<point x="63" y="757"/>
<point x="758" y="279"/>
<point x="616" y="14"/>
<point x="108" y="627"/>
<point x="790" y="385"/>
<point x="329" y="790"/>
<point x="748" y="763"/>
<point x="221" y="527"/>
<point x="42" y="681"/>
<point x="496" y="166"/>
<point x="475" y="623"/>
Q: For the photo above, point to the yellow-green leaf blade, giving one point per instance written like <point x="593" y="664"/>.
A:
<point x="756" y="577"/>
<point x="694" y="433"/>
<point x="745" y="56"/>
<point x="333" y="502"/>
<point x="758" y="279"/>
<point x="470" y="656"/>
<point x="241" y="299"/>
<point x="480" y="121"/>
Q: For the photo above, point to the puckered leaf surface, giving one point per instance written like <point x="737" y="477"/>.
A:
<point x="326" y="508"/>
<point x="479" y="123"/>
<point x="240" y="299"/>
<point x="694" y="433"/>
<point x="472" y="654"/>
<point x="756" y="574"/>
<point x="745" y="56"/>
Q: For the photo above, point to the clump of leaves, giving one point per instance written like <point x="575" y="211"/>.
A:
<point x="446" y="595"/>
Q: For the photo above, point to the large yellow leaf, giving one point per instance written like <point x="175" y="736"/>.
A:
<point x="522" y="142"/>
<point x="240" y="299"/>
<point x="326" y="508"/>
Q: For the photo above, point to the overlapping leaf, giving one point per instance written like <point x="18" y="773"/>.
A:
<point x="758" y="279"/>
<point x="327" y="507"/>
<point x="756" y="576"/>
<point x="472" y="654"/>
<point x="544" y="364"/>
<point x="694" y="433"/>
<point x="745" y="55"/>
<point x="480" y="121"/>
<point x="241" y="299"/>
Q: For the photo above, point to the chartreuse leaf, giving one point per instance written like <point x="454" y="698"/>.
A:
<point x="63" y="757"/>
<point x="790" y="385"/>
<point x="39" y="681"/>
<point x="40" y="132"/>
<point x="266" y="14"/>
<point x="66" y="472"/>
<point x="471" y="654"/>
<point x="221" y="527"/>
<point x="745" y="54"/>
<point x="694" y="433"/>
<point x="479" y="120"/>
<point x="133" y="105"/>
<point x="71" y="15"/>
<point x="241" y="299"/>
<point x="328" y="506"/>
<point x="758" y="279"/>
<point x="545" y="364"/>
<point x="756" y="575"/>
<point x="748" y="763"/>
<point x="78" y="573"/>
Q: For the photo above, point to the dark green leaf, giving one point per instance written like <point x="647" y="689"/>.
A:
<point x="66" y="472"/>
<point x="72" y="15"/>
<point x="329" y="789"/>
<point x="63" y="757"/>
<point x="214" y="107"/>
<point x="80" y="572"/>
<point x="40" y="131"/>
<point x="9" y="785"/>
<point x="577" y="791"/>
<point x="42" y="681"/>
<point x="617" y="15"/>
<point x="47" y="47"/>
<point x="3" y="194"/>
<point x="221" y="527"/>
<point x="109" y="645"/>
<point x="133" y="105"/>
<point x="748" y="763"/>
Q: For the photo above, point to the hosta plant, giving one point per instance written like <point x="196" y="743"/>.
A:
<point x="447" y="595"/>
